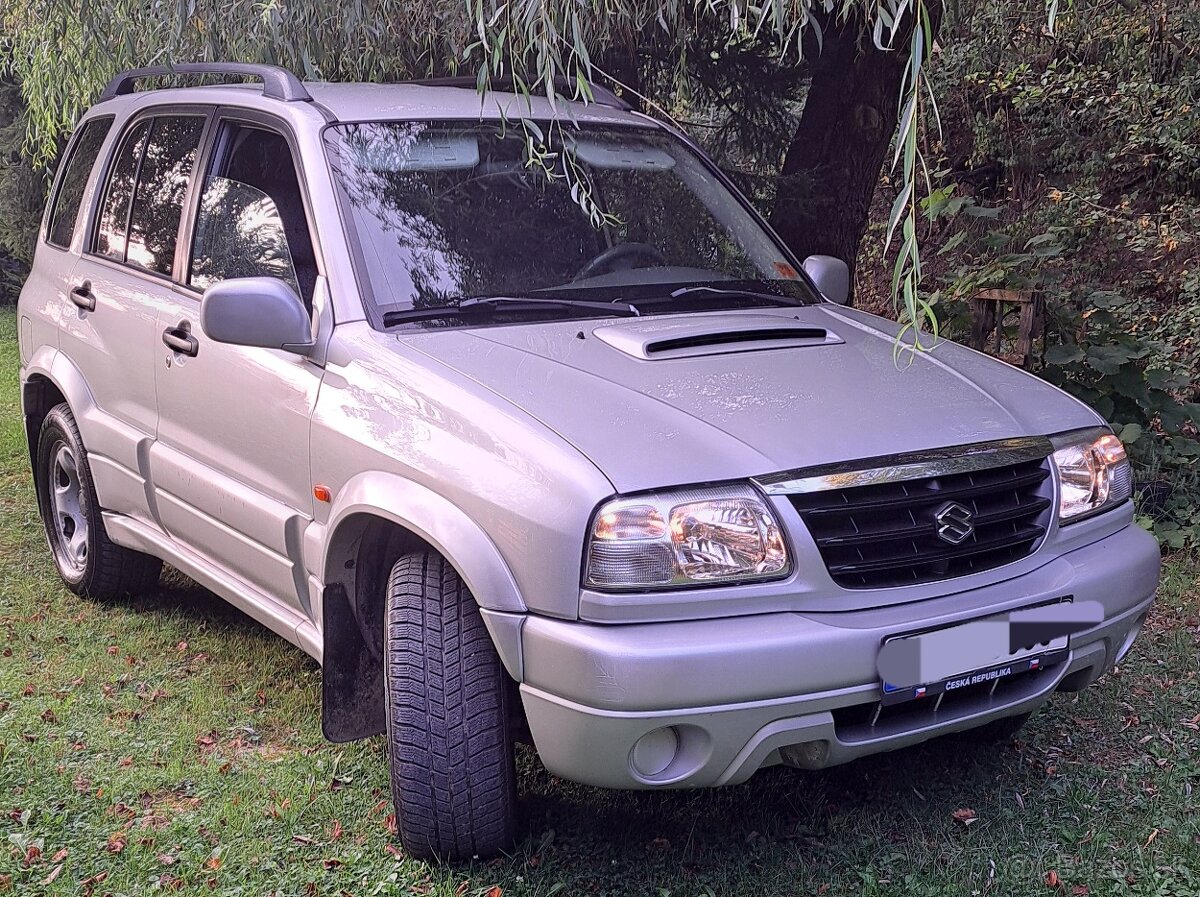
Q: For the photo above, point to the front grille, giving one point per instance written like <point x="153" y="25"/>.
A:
<point x="886" y="534"/>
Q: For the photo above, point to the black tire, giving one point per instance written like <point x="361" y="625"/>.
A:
<point x="89" y="562"/>
<point x="449" y="740"/>
<point x="998" y="731"/>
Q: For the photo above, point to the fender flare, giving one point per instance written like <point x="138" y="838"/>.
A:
<point x="58" y="369"/>
<point x="352" y="687"/>
<point x="434" y="519"/>
<point x="51" y="365"/>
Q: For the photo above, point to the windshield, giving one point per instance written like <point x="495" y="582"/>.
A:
<point x="444" y="212"/>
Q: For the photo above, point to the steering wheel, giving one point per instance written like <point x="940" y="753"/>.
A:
<point x="620" y="256"/>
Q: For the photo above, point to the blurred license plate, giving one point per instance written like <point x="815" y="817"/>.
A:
<point x="945" y="660"/>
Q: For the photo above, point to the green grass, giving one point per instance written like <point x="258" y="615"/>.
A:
<point x="169" y="743"/>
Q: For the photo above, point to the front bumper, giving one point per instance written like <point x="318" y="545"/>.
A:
<point x="746" y="692"/>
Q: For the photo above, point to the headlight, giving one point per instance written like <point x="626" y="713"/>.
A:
<point x="1093" y="473"/>
<point x="693" y="537"/>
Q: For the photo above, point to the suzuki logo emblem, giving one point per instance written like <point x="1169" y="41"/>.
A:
<point x="954" y="523"/>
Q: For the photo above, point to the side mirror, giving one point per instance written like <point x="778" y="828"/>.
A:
<point x="256" y="311"/>
<point x="831" y="275"/>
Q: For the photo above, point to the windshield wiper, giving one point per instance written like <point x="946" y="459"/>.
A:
<point x="484" y="306"/>
<point x="623" y="309"/>
<point x="703" y="295"/>
<point x="735" y="293"/>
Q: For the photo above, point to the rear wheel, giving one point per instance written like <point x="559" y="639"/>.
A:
<point x="88" y="561"/>
<point x="450" y="745"/>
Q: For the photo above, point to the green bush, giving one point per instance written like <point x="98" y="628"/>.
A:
<point x="22" y="195"/>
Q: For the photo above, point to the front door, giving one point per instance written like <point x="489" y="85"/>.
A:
<point x="230" y="463"/>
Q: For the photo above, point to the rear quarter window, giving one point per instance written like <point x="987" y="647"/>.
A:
<point x="81" y="155"/>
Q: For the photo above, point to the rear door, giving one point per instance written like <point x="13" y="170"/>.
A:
<point x="231" y="461"/>
<point x="117" y="287"/>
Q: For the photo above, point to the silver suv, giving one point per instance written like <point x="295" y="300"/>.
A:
<point x="573" y="452"/>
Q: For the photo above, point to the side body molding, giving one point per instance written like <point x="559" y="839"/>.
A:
<point x="431" y="517"/>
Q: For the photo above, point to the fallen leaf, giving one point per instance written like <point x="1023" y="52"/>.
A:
<point x="331" y="863"/>
<point x="1150" y="840"/>
<point x="964" y="816"/>
<point x="32" y="854"/>
<point x="336" y="831"/>
<point x="303" y="839"/>
<point x="89" y="884"/>
<point x="49" y="716"/>
<point x="113" y="649"/>
<point x="167" y="859"/>
<point x="1080" y="891"/>
<point x="54" y="873"/>
<point x="495" y="891"/>
<point x="116" y="842"/>
<point x="125" y="761"/>
<point x="59" y="856"/>
<point x="1052" y="880"/>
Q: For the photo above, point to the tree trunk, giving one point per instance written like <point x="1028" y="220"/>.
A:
<point x="833" y="164"/>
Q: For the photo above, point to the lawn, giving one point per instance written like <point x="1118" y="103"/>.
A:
<point x="169" y="743"/>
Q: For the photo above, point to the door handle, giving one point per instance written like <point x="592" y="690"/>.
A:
<point x="179" y="339"/>
<point x="83" y="296"/>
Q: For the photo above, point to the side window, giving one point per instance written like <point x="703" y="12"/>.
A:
<point x="118" y="194"/>
<point x="239" y="233"/>
<point x="60" y="225"/>
<point x="166" y="166"/>
<point x="251" y="220"/>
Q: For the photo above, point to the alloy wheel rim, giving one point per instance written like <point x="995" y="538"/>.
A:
<point x="66" y="510"/>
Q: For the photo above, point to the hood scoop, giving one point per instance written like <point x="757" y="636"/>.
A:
<point x="661" y="338"/>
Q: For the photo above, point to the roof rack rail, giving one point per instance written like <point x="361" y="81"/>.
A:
<point x="278" y="83"/>
<point x="565" y="86"/>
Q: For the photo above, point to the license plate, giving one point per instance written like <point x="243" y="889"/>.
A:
<point x="974" y="653"/>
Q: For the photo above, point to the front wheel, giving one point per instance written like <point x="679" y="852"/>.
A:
<point x="88" y="561"/>
<point x="449" y="740"/>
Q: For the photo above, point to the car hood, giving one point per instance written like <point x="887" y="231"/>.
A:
<point x="681" y="399"/>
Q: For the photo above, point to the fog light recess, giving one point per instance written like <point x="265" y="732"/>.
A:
<point x="654" y="751"/>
